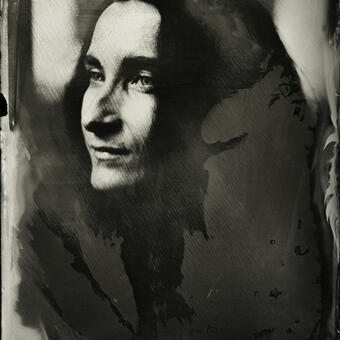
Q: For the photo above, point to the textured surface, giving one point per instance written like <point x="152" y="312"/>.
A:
<point x="251" y="271"/>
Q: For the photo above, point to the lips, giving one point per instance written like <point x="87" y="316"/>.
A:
<point x="109" y="152"/>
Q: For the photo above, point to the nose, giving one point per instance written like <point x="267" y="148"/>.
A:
<point x="100" y="113"/>
<point x="103" y="129"/>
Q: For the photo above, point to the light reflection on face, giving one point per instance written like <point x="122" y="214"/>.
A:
<point x="119" y="105"/>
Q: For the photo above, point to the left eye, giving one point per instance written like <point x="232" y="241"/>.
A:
<point x="142" y="82"/>
<point x="96" y="76"/>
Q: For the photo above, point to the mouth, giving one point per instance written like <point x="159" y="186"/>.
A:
<point x="106" y="153"/>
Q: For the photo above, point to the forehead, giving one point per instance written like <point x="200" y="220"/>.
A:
<point x="126" y="28"/>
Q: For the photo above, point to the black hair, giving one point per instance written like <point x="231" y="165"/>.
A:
<point x="193" y="76"/>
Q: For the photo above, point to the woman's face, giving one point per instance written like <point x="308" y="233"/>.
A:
<point x="119" y="106"/>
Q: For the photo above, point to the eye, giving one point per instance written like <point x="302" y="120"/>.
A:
<point x="142" y="82"/>
<point x="96" y="75"/>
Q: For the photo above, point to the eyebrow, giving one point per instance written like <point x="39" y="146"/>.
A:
<point x="92" y="61"/>
<point x="129" y="63"/>
<point x="133" y="63"/>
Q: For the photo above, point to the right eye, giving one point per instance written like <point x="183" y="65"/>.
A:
<point x="96" y="75"/>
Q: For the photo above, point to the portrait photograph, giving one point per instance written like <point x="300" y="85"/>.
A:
<point x="170" y="170"/>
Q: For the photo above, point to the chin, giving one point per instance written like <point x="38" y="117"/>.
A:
<point x="112" y="179"/>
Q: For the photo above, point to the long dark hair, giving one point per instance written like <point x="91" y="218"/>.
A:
<point x="194" y="75"/>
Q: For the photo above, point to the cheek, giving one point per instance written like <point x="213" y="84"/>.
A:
<point x="89" y="105"/>
<point x="84" y="108"/>
<point x="139" y="114"/>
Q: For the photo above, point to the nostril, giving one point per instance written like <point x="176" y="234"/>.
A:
<point x="102" y="129"/>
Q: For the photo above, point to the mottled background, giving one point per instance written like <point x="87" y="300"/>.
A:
<point x="258" y="276"/>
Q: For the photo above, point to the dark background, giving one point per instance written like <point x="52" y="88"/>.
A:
<point x="258" y="276"/>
